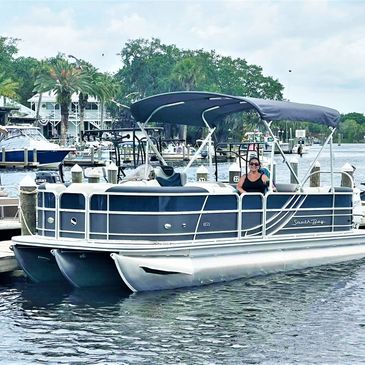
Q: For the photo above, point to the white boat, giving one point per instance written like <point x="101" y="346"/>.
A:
<point x="176" y="151"/>
<point x="268" y="141"/>
<point x="164" y="233"/>
<point x="9" y="217"/>
<point x="24" y="144"/>
<point x="91" y="154"/>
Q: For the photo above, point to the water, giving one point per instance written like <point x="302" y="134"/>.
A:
<point x="346" y="153"/>
<point x="315" y="316"/>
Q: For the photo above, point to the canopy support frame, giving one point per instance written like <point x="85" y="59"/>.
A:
<point x="207" y="139"/>
<point x="151" y="144"/>
<point x="316" y="159"/>
<point x="276" y="143"/>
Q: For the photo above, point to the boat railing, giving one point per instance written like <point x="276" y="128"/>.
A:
<point x="178" y="215"/>
<point x="348" y="176"/>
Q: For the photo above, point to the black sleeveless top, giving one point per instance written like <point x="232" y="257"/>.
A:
<point x="257" y="186"/>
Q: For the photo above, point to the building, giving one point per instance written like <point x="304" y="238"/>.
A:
<point x="12" y="112"/>
<point x="50" y="115"/>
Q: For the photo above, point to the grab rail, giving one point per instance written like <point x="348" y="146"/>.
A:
<point x="272" y="214"/>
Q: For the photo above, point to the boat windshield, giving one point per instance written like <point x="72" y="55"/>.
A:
<point x="32" y="133"/>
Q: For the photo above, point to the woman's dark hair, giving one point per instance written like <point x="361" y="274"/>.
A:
<point x="254" y="158"/>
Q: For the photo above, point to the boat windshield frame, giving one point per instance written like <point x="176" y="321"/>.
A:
<point x="14" y="131"/>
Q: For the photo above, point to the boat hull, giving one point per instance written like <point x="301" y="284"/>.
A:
<point x="38" y="263"/>
<point x="147" y="265"/>
<point x="44" y="158"/>
<point x="206" y="266"/>
<point x="87" y="268"/>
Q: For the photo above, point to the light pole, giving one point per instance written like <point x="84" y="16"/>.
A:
<point x="78" y="126"/>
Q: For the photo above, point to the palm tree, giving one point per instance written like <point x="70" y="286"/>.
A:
<point x="64" y="79"/>
<point x="104" y="88"/>
<point x="186" y="75"/>
<point x="8" y="87"/>
<point x="85" y="90"/>
<point x="101" y="86"/>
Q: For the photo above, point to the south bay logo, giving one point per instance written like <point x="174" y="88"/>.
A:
<point x="308" y="222"/>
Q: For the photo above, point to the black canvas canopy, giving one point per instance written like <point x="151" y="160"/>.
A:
<point x="188" y="107"/>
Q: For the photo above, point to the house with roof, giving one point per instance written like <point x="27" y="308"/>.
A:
<point x="12" y="112"/>
<point x="46" y="113"/>
<point x="95" y="117"/>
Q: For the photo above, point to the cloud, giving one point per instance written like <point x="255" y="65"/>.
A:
<point x="322" y="42"/>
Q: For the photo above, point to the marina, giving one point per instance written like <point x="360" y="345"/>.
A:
<point x="166" y="232"/>
<point x="320" y="307"/>
<point x="182" y="183"/>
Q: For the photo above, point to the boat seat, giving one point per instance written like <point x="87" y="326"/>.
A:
<point x="281" y="188"/>
<point x="342" y="189"/>
<point x="166" y="176"/>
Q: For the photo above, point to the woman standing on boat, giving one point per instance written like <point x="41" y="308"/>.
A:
<point x="255" y="181"/>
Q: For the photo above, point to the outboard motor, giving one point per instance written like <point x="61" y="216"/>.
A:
<point x="51" y="177"/>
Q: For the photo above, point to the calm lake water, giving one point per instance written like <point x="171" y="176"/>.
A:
<point x="316" y="316"/>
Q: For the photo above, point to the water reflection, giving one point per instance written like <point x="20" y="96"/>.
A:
<point x="307" y="317"/>
<point x="37" y="296"/>
<point x="298" y="317"/>
<point x="97" y="297"/>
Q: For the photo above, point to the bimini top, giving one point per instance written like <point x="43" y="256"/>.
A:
<point x="190" y="107"/>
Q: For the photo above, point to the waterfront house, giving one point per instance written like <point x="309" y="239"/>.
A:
<point x="50" y="115"/>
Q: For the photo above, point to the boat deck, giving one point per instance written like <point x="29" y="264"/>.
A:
<point x="7" y="259"/>
<point x="9" y="224"/>
<point x="9" y="217"/>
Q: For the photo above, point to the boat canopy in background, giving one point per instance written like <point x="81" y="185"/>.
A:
<point x="187" y="107"/>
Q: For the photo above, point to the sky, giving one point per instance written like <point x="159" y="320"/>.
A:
<point x="315" y="48"/>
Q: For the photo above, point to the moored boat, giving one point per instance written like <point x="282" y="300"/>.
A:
<point x="9" y="217"/>
<point x="24" y="145"/>
<point x="166" y="233"/>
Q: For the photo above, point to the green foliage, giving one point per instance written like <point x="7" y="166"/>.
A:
<point x="357" y="117"/>
<point x="25" y="73"/>
<point x="352" y="131"/>
<point x="21" y="70"/>
<point x="64" y="79"/>
<point x="150" y="67"/>
<point x="352" y="127"/>
<point x="8" y="84"/>
<point x="187" y="74"/>
<point x="8" y="50"/>
<point x="8" y="87"/>
<point x="147" y="67"/>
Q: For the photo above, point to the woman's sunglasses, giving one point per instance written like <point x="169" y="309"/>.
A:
<point x="254" y="164"/>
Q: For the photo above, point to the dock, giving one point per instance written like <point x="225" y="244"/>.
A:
<point x="16" y="164"/>
<point x="83" y="162"/>
<point x="9" y="217"/>
<point x="8" y="262"/>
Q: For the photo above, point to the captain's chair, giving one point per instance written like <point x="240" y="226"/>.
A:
<point x="166" y="176"/>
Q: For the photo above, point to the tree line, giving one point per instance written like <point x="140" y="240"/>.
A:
<point x="150" y="67"/>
